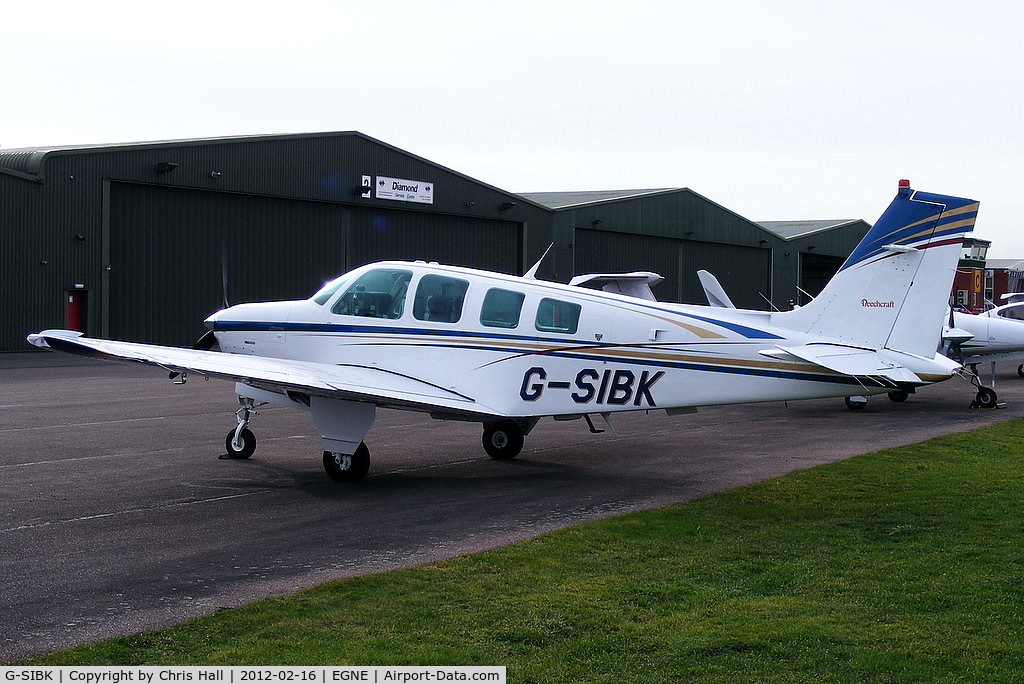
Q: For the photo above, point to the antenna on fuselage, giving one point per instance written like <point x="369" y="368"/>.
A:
<point x="532" y="273"/>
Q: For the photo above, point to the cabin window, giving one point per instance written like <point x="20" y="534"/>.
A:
<point x="439" y="298"/>
<point x="554" y="315"/>
<point x="379" y="294"/>
<point x="501" y="308"/>
<point x="1014" y="312"/>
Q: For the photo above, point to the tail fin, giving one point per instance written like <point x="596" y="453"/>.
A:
<point x="714" y="291"/>
<point x="893" y="289"/>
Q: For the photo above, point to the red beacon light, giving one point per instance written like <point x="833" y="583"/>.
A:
<point x="904" y="183"/>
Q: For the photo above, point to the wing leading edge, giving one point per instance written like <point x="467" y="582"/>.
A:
<point x="349" y="382"/>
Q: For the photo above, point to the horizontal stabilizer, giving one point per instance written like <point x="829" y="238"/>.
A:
<point x="637" y="284"/>
<point x="851" y="361"/>
<point x="956" y="335"/>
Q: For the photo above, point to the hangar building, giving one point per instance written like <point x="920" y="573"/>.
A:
<point x="142" y="241"/>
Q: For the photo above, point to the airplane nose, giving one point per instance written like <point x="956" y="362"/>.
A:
<point x="213" y="318"/>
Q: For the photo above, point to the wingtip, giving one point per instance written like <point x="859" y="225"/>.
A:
<point x="41" y="339"/>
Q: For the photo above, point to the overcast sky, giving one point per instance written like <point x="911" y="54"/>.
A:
<point x="776" y="110"/>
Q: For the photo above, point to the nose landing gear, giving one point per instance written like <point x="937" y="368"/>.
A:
<point x="241" y="442"/>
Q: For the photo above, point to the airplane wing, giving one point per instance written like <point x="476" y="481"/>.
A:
<point x="853" y="361"/>
<point x="351" y="382"/>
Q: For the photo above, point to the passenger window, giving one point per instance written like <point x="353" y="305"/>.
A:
<point x="558" y="316"/>
<point x="439" y="298"/>
<point x="501" y="308"/>
<point x="378" y="294"/>
<point x="1014" y="312"/>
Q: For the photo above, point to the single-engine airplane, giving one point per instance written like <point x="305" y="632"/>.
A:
<point x="506" y="351"/>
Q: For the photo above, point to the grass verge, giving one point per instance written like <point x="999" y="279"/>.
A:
<point x="903" y="565"/>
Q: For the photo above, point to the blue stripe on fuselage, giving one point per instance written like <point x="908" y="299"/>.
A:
<point x="568" y="352"/>
<point x="264" y="326"/>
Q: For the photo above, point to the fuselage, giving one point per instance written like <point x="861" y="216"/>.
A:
<point x="524" y="347"/>
<point x="998" y="334"/>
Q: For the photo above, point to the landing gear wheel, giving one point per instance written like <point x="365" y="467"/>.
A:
<point x="348" y="467"/>
<point x="898" y="395"/>
<point x="856" y="403"/>
<point x="1020" y="370"/>
<point x="986" y="398"/>
<point x="503" y="441"/>
<point x="245" y="447"/>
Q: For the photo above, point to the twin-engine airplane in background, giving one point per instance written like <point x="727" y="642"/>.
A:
<point x="506" y="351"/>
<point x="992" y="336"/>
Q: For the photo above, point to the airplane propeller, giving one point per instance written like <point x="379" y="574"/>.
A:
<point x="208" y="340"/>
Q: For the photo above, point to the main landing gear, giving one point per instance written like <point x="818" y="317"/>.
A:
<point x="502" y="439"/>
<point x="241" y="443"/>
<point x="347" y="467"/>
<point x="986" y="397"/>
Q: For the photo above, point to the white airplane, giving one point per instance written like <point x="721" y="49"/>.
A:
<point x="992" y="336"/>
<point x="506" y="351"/>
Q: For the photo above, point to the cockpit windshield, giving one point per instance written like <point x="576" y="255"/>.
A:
<point x="379" y="293"/>
<point x="329" y="288"/>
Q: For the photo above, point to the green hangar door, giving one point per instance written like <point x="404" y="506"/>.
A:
<point x="745" y="272"/>
<point x="175" y="254"/>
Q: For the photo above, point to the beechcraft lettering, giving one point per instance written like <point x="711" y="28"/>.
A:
<point x="456" y="342"/>
<point x="607" y="387"/>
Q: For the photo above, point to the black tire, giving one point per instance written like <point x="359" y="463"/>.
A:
<point x="898" y="395"/>
<point x="502" y="441"/>
<point x="1020" y="370"/>
<point x="855" y="405"/>
<point x="348" y="467"/>
<point x="986" y="398"/>
<point x="248" y="444"/>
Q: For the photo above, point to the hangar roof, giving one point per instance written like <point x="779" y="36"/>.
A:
<point x="565" y="200"/>
<point x="29" y="160"/>
<point x="789" y="230"/>
<point x="29" y="163"/>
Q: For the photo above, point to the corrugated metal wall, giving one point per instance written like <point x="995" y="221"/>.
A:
<point x="743" y="271"/>
<point x="674" y="233"/>
<point x="286" y="212"/>
<point x="171" y="248"/>
<point x="458" y="240"/>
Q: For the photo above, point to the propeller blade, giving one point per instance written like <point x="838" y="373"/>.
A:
<point x="206" y="342"/>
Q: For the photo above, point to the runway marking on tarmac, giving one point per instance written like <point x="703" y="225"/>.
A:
<point x="90" y="424"/>
<point x="129" y="511"/>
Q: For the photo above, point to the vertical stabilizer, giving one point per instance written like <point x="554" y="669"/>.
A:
<point x="893" y="289"/>
<point x="714" y="291"/>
